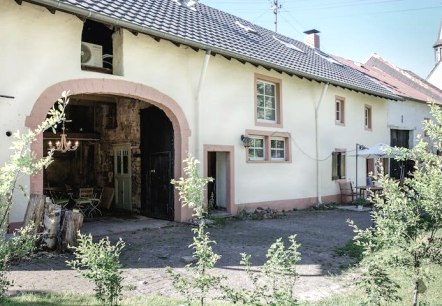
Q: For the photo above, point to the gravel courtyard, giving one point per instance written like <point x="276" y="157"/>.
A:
<point x="153" y="245"/>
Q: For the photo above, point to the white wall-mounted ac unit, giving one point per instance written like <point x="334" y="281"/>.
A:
<point x="91" y="55"/>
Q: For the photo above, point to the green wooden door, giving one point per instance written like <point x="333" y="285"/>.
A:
<point x="123" y="176"/>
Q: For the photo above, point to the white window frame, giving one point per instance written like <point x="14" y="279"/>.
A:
<point x="265" y="108"/>
<point x="368" y="117"/>
<point x="253" y="147"/>
<point x="273" y="149"/>
<point x="339" y="111"/>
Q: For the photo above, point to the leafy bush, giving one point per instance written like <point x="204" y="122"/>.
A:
<point x="407" y="219"/>
<point x="196" y="285"/>
<point x="18" y="246"/>
<point x="274" y="284"/>
<point x="22" y="161"/>
<point x="99" y="262"/>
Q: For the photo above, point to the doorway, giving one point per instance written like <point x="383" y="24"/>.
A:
<point x="217" y="189"/>
<point x="219" y="166"/>
<point x="157" y="151"/>
<point x="400" y="169"/>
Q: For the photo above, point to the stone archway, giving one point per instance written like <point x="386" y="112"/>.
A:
<point x="118" y="88"/>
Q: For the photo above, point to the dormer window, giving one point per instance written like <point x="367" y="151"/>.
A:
<point x="96" y="47"/>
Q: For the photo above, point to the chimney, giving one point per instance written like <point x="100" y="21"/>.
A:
<point x="312" y="38"/>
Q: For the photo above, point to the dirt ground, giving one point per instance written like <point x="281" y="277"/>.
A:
<point x="150" y="249"/>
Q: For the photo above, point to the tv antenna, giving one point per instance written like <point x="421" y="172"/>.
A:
<point x="276" y="7"/>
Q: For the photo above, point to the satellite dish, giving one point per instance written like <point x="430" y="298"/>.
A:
<point x="86" y="53"/>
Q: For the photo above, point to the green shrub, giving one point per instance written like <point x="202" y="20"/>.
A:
<point x="196" y="285"/>
<point x="22" y="161"/>
<point x="274" y="284"/>
<point x="99" y="262"/>
<point x="18" y="246"/>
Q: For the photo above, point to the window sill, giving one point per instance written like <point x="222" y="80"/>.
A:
<point x="268" y="124"/>
<point x="251" y="161"/>
<point x="96" y="69"/>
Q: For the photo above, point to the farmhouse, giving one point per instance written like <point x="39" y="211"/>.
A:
<point x="272" y="119"/>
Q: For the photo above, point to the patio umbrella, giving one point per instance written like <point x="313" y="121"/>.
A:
<point x="379" y="150"/>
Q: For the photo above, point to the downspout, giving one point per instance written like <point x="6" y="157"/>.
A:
<point x="318" y="180"/>
<point x="197" y="103"/>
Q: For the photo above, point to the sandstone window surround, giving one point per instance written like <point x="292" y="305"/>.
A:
<point x="268" y="147"/>
<point x="268" y="104"/>
<point x="368" y="117"/>
<point x="340" y="110"/>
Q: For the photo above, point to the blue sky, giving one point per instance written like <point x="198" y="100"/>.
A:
<point x="401" y="31"/>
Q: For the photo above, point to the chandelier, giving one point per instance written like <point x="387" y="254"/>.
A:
<point x="63" y="145"/>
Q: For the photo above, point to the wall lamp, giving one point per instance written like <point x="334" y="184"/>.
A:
<point x="246" y="141"/>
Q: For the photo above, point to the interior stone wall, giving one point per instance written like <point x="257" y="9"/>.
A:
<point x="119" y="123"/>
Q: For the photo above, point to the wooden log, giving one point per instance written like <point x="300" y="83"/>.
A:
<point x="72" y="221"/>
<point x="35" y="211"/>
<point x="51" y="225"/>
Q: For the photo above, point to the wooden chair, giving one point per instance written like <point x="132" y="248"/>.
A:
<point x="95" y="203"/>
<point x="84" y="200"/>
<point x="347" y="191"/>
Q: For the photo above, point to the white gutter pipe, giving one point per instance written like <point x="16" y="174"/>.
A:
<point x="197" y="103"/>
<point x="318" y="179"/>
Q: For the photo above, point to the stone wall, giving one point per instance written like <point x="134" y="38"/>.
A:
<point x="123" y="128"/>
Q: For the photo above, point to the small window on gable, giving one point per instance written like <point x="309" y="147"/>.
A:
<point x="367" y="117"/>
<point x="96" y="47"/>
<point x="339" y="110"/>
<point x="338" y="165"/>
<point x="267" y="101"/>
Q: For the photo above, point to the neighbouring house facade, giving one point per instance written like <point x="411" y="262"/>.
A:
<point x="272" y="119"/>
<point x="405" y="117"/>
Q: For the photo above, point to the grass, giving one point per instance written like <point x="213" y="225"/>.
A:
<point x="350" y="249"/>
<point x="353" y="297"/>
<point x="69" y="299"/>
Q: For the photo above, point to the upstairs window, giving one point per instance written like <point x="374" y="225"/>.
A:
<point x="96" y="47"/>
<point x="367" y="117"/>
<point x="267" y="101"/>
<point x="339" y="110"/>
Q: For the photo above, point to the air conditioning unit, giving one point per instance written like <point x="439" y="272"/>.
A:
<point x="91" y="55"/>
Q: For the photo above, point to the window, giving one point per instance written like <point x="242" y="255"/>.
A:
<point x="367" y="117"/>
<point x="267" y="146"/>
<point x="267" y="101"/>
<point x="277" y="148"/>
<point x="339" y="110"/>
<point x="256" y="149"/>
<point x="338" y="165"/>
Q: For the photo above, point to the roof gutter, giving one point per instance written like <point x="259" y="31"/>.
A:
<point x="57" y="4"/>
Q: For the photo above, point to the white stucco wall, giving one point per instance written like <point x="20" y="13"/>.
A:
<point x="408" y="115"/>
<point x="40" y="49"/>
<point x="435" y="76"/>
